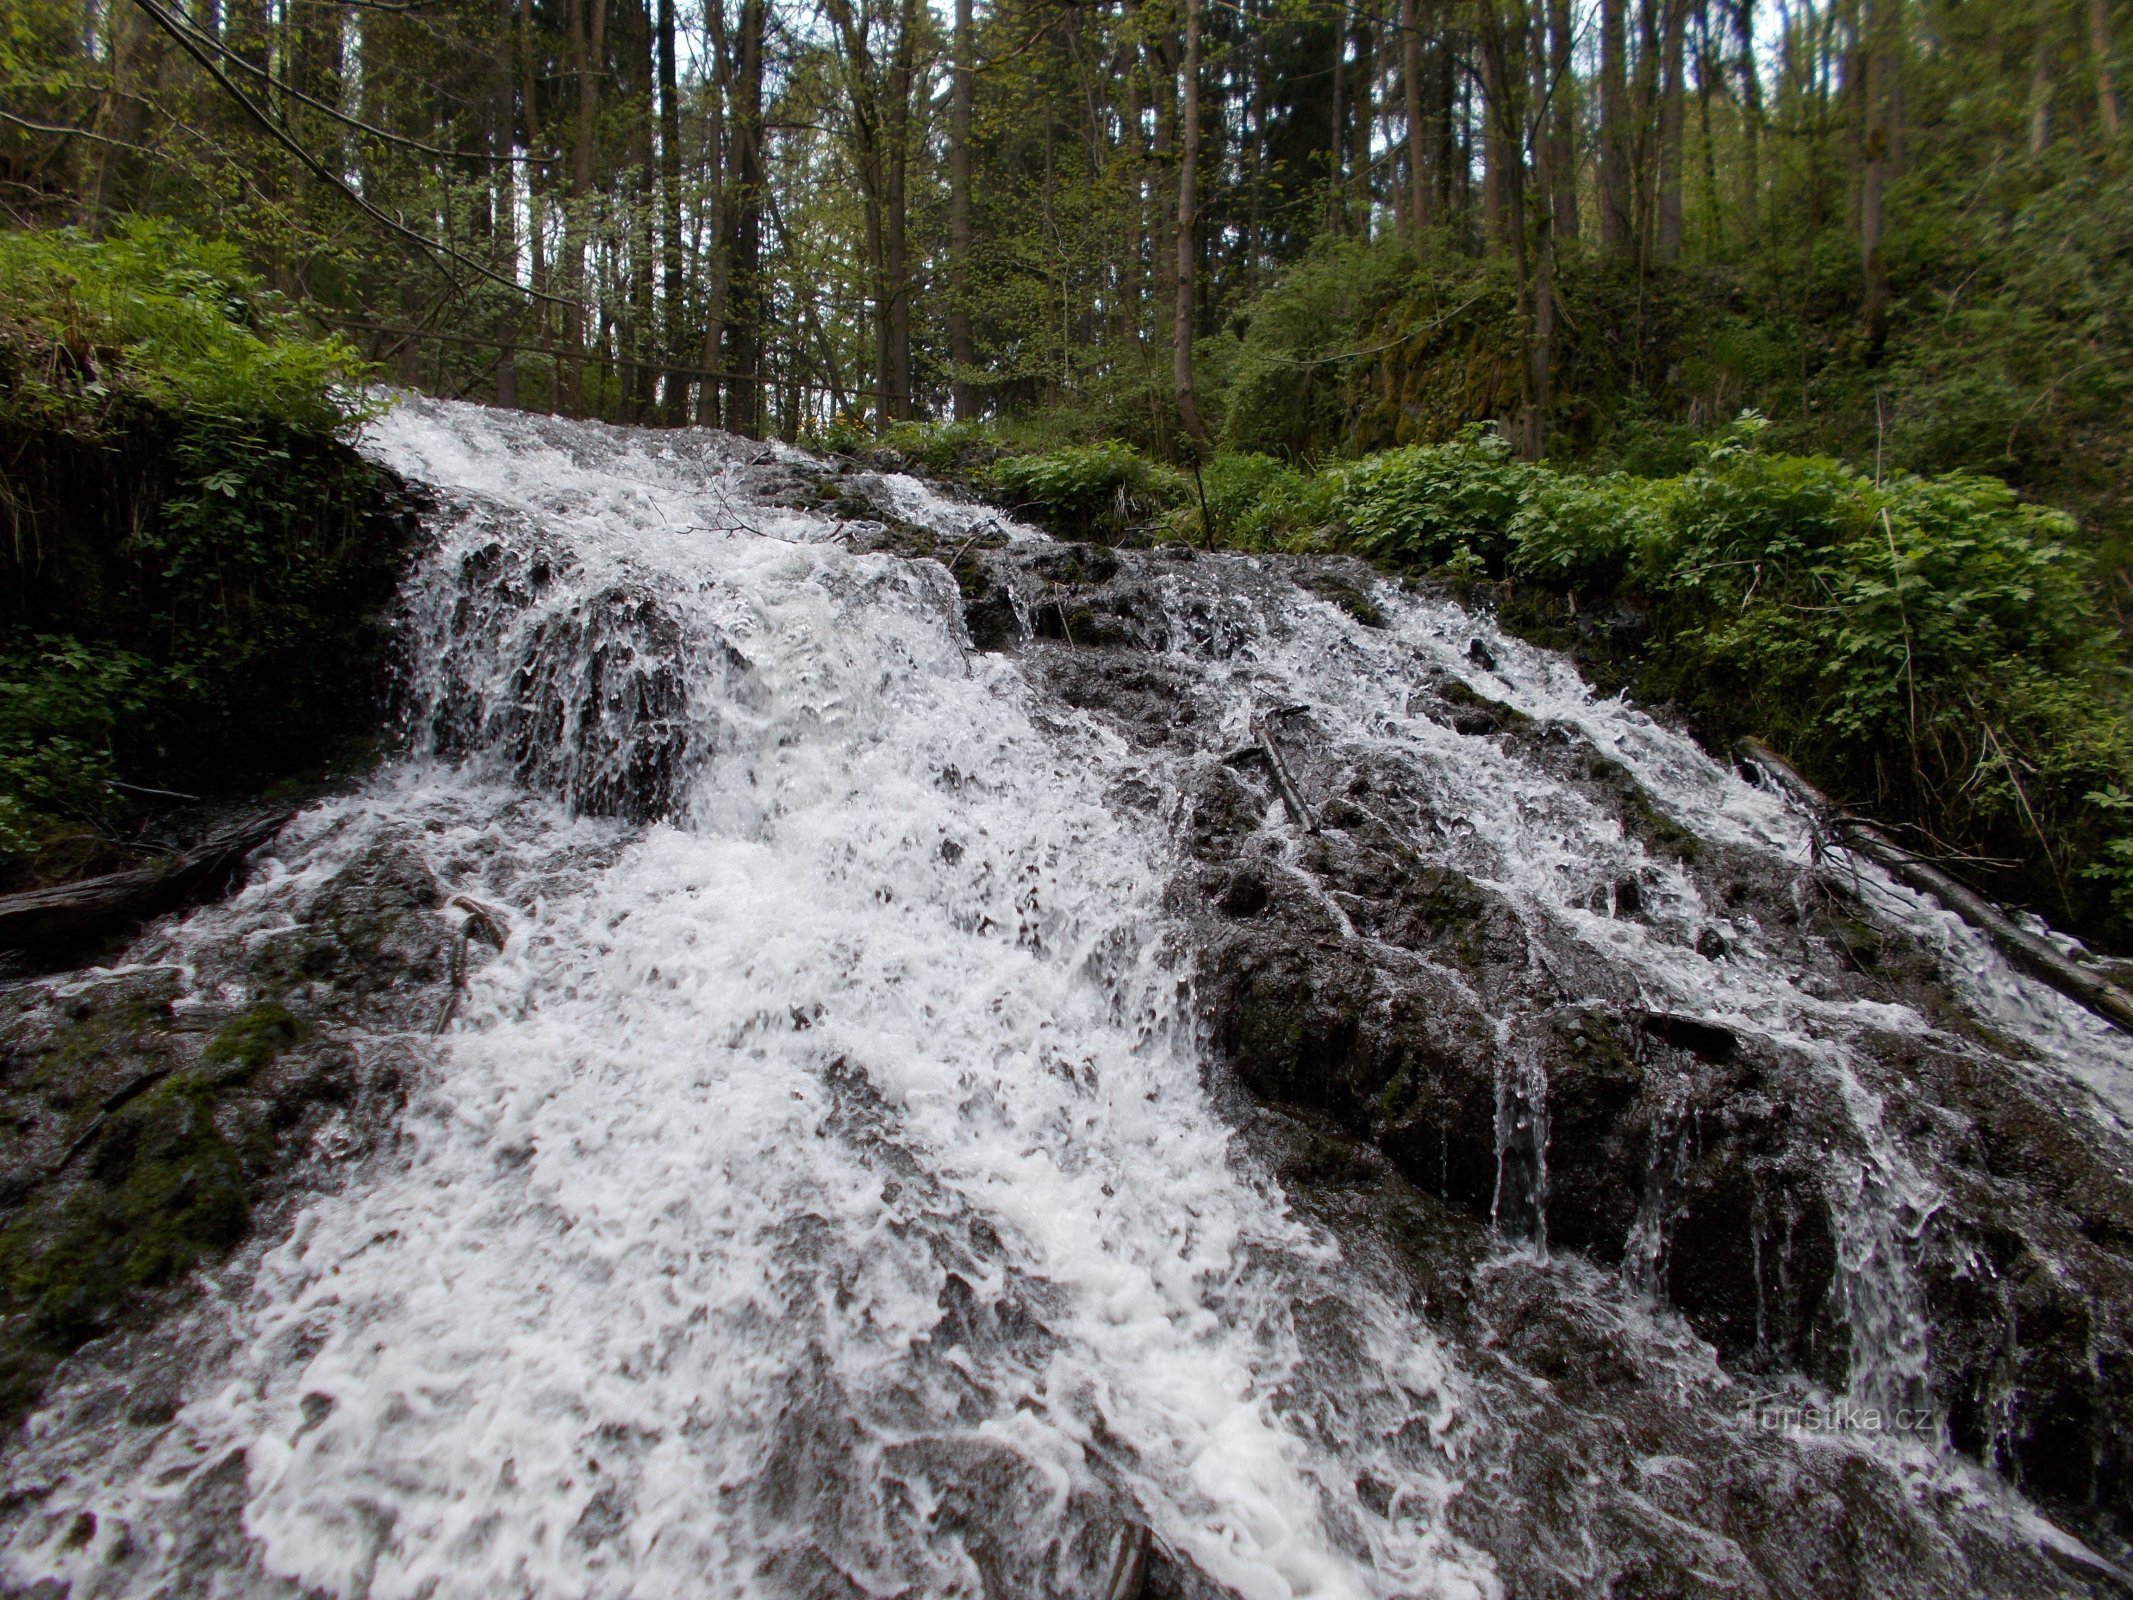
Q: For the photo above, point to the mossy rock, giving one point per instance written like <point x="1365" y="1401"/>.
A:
<point x="253" y="1039"/>
<point x="1474" y="712"/>
<point x="162" y="1189"/>
<point x="1638" y="812"/>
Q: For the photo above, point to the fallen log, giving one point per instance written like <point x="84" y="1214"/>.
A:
<point x="2040" y="958"/>
<point x="1292" y="799"/>
<point x="70" y="914"/>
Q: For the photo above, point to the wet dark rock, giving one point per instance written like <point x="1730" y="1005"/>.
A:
<point x="1599" y="1458"/>
<point x="147" y="1116"/>
<point x="1705" y="1039"/>
<point x="1474" y="712"/>
<point x="1518" y="1081"/>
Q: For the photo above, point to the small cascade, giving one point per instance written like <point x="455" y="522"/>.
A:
<point x="1017" y="1070"/>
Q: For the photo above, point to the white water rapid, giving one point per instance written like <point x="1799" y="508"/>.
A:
<point x="823" y="1192"/>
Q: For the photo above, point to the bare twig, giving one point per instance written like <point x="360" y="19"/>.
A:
<point x="2038" y="957"/>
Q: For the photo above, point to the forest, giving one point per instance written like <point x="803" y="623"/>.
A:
<point x="1774" y="359"/>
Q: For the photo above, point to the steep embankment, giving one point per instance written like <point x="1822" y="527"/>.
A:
<point x="1017" y="1068"/>
<point x="194" y="559"/>
<point x="194" y="567"/>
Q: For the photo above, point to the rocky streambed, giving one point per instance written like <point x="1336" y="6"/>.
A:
<point x="864" y="1050"/>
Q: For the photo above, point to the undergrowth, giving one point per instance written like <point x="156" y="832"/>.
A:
<point x="191" y="551"/>
<point x="1930" y="649"/>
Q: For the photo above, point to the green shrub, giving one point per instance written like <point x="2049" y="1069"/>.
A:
<point x="1931" y="648"/>
<point x="190" y="553"/>
<point x="156" y="313"/>
<point x="1259" y="503"/>
<point x="1425" y="502"/>
<point x="944" y="449"/>
<point x="1583" y="531"/>
<point x="1100" y="491"/>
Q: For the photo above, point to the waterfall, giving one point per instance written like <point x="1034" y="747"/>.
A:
<point x="830" y="1187"/>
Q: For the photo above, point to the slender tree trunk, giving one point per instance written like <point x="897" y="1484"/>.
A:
<point x="1337" y="156"/>
<point x="962" y="352"/>
<point x="118" y="112"/>
<point x="1638" y="138"/>
<point x="588" y="42"/>
<point x="2108" y="114"/>
<point x="1884" y="24"/>
<point x="643" y="366"/>
<point x="2040" y="90"/>
<point x="1362" y="121"/>
<point x="503" y="140"/>
<point x="674" y="400"/>
<point x="745" y="232"/>
<point x="1418" y="173"/>
<point x="1673" y="107"/>
<point x="1188" y="276"/>
<point x="1561" y="88"/>
<point x="1547" y="179"/>
<point x="902" y="78"/>
<point x="1162" y="244"/>
<point x="1707" y="79"/>
<point x="1503" y="181"/>
<point x="539" y="179"/>
<point x="1751" y="129"/>
<point x="718" y="271"/>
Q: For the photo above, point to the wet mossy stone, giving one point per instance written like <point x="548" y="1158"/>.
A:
<point x="161" y="1189"/>
<point x="1473" y="712"/>
<point x="1639" y="814"/>
<point x="253" y="1039"/>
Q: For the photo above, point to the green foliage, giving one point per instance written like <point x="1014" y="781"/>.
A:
<point x="192" y="547"/>
<point x="1931" y="647"/>
<point x="1423" y="503"/>
<point x="1099" y="490"/>
<point x="155" y="313"/>
<point x="944" y="448"/>
<point x="62" y="704"/>
<point x="1287" y="385"/>
<point x="1258" y="503"/>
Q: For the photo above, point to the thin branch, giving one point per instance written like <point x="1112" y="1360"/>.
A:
<point x="78" y="133"/>
<point x="434" y="249"/>
<point x="338" y="115"/>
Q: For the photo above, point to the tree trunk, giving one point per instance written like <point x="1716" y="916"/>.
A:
<point x="1337" y="154"/>
<point x="1362" y="123"/>
<point x="2108" y="114"/>
<point x="1538" y="122"/>
<point x="1418" y="172"/>
<point x="1751" y="129"/>
<point x="719" y="266"/>
<point x="2040" y="90"/>
<point x="503" y="141"/>
<point x="642" y="387"/>
<point x="589" y="46"/>
<point x="1884" y="24"/>
<point x="744" y="410"/>
<point x="1162" y="245"/>
<point x="1188" y="276"/>
<point x="1562" y="106"/>
<point x="1638" y="132"/>
<point x="675" y="388"/>
<point x="903" y="75"/>
<point x="1673" y="107"/>
<point x="961" y="351"/>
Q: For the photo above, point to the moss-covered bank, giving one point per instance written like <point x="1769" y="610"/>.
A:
<point x="193" y="560"/>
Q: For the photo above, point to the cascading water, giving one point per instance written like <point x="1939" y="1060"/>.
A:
<point x="826" y="1189"/>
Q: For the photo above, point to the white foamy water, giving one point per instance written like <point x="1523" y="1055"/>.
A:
<point x="824" y="1193"/>
<point x="821" y="1193"/>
